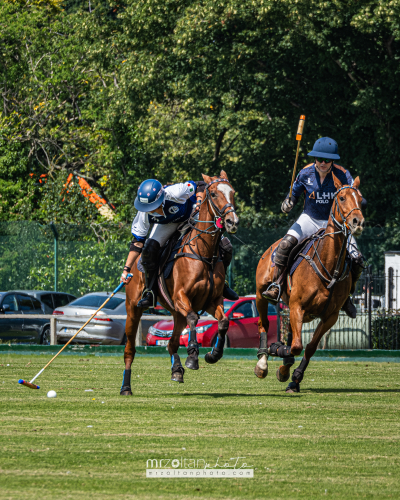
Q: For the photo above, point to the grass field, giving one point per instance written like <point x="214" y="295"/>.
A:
<point x="339" y="438"/>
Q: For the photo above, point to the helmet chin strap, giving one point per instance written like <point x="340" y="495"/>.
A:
<point x="320" y="172"/>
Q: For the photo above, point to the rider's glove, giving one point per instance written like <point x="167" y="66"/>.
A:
<point x="287" y="206"/>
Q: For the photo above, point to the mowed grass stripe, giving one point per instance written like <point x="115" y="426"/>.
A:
<point x="347" y="445"/>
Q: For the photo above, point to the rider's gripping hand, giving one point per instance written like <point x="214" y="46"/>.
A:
<point x="287" y="206"/>
<point x="125" y="277"/>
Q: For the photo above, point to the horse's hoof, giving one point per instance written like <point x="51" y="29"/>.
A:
<point x="259" y="373"/>
<point x="177" y="377"/>
<point x="280" y="377"/>
<point x="192" y="363"/>
<point x="293" y="388"/>
<point x="211" y="359"/>
<point x="125" y="391"/>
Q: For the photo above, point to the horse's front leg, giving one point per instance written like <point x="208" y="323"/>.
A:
<point x="184" y="307"/>
<point x="298" y="373"/>
<point x="177" y="370"/>
<point x="133" y="315"/>
<point x="217" y="310"/>
<point x="261" y="369"/>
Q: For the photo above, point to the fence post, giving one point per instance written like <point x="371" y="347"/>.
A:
<point x="370" y="306"/>
<point x="53" y="333"/>
<point x="55" y="232"/>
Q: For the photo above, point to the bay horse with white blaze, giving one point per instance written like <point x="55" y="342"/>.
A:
<point x="195" y="283"/>
<point x="319" y="287"/>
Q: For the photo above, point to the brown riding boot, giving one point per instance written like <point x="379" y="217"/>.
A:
<point x="273" y="292"/>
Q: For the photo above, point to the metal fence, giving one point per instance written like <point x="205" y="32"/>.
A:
<point x="377" y="325"/>
<point x="78" y="259"/>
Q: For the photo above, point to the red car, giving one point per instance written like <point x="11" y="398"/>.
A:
<point x="242" y="332"/>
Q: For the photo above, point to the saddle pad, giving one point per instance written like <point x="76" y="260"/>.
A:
<point x="299" y="258"/>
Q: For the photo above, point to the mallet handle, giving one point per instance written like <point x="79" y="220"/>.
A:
<point x="298" y="139"/>
<point x="81" y="328"/>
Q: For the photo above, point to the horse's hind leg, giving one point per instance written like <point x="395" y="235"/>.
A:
<point x="184" y="307"/>
<point x="177" y="370"/>
<point x="217" y="310"/>
<point x="261" y="369"/>
<point x="192" y="361"/>
<point x="298" y="373"/>
<point x="283" y="372"/>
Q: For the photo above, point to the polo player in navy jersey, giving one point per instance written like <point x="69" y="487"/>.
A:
<point x="166" y="208"/>
<point x="316" y="182"/>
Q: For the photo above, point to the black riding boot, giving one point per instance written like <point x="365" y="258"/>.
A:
<point x="356" y="270"/>
<point x="273" y="292"/>
<point x="225" y="251"/>
<point x="150" y="263"/>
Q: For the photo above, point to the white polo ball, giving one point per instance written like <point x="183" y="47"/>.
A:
<point x="52" y="394"/>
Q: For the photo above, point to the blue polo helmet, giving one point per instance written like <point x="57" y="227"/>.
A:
<point x="150" y="195"/>
<point x="325" y="148"/>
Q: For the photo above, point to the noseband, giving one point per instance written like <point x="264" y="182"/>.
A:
<point x="343" y="227"/>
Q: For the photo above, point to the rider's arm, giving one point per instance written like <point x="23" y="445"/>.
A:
<point x="181" y="192"/>
<point x="140" y="228"/>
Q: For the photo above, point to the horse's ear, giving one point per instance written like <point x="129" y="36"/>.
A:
<point x="356" y="183"/>
<point x="223" y="175"/>
<point x="206" y="178"/>
<point x="336" y="181"/>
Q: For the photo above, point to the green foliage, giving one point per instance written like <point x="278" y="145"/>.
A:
<point x="386" y="331"/>
<point x="120" y="92"/>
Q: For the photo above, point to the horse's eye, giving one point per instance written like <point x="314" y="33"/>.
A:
<point x="342" y="198"/>
<point x="213" y="195"/>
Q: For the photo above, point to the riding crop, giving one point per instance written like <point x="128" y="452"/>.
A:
<point x="298" y="139"/>
<point x="30" y="384"/>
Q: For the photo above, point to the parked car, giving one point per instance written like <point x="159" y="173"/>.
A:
<point x="242" y="332"/>
<point x="23" y="330"/>
<point x="50" y="299"/>
<point x="103" y="329"/>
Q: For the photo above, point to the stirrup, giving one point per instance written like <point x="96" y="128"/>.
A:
<point x="273" y="301"/>
<point x="145" y="294"/>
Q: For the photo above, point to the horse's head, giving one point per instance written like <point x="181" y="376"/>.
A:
<point x="347" y="206"/>
<point x="221" y="198"/>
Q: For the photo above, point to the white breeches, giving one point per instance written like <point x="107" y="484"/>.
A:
<point x="306" y="226"/>
<point x="162" y="232"/>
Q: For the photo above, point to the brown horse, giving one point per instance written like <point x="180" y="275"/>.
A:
<point x="196" y="282"/>
<point x="319" y="287"/>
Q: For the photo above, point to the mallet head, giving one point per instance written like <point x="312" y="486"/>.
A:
<point x="28" y="384"/>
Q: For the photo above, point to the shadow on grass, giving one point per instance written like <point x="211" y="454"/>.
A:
<point x="231" y="395"/>
<point x="351" y="391"/>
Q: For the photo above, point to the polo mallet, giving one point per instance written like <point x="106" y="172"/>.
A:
<point x="30" y="384"/>
<point x="298" y="139"/>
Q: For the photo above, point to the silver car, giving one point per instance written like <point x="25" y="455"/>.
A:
<point x="103" y="329"/>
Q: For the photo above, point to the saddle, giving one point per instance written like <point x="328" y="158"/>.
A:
<point x="295" y="257"/>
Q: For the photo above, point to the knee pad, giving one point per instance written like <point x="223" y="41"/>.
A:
<point x="284" y="248"/>
<point x="134" y="248"/>
<point x="150" y="253"/>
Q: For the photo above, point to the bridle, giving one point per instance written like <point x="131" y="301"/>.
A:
<point x="344" y="228"/>
<point x="219" y="214"/>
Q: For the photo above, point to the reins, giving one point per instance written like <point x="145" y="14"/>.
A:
<point x="345" y="231"/>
